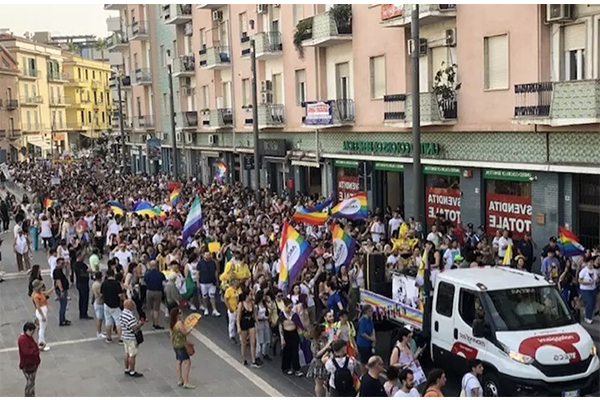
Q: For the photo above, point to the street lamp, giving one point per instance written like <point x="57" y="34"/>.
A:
<point x="172" y="114"/>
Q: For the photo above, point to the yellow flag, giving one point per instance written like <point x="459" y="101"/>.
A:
<point x="508" y="256"/>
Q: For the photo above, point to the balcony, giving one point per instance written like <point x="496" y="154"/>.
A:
<point x="116" y="124"/>
<point x="138" y="30"/>
<point x="220" y="118"/>
<point x="268" y="45"/>
<point x="399" y="15"/>
<point x="558" y="103"/>
<point x="325" y="32"/>
<point x="328" y="113"/>
<point x="187" y="120"/>
<point x="55" y="76"/>
<point x="271" y="116"/>
<point x="31" y="100"/>
<point x="211" y="7"/>
<point x="59" y="101"/>
<point x="184" y="66"/>
<point x="12" y="104"/>
<point x="177" y="13"/>
<point x="115" y="7"/>
<point x="78" y="82"/>
<point x="188" y="29"/>
<point x="96" y="84"/>
<point x="31" y="127"/>
<point x="434" y="111"/>
<point x="187" y="90"/>
<point x="113" y="24"/>
<point x="29" y="73"/>
<point x="142" y="76"/>
<point x="142" y="123"/>
<point x="118" y="42"/>
<point x="216" y="58"/>
<point x="99" y="103"/>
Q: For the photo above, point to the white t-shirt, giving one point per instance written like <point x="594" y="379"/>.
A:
<point x="330" y="367"/>
<point x="156" y="239"/>
<point x="435" y="238"/>
<point x="501" y="243"/>
<point x="395" y="224"/>
<point x="412" y="393"/>
<point x="52" y="263"/>
<point x="124" y="257"/>
<point x="46" y="229"/>
<point x="112" y="229"/>
<point x="590" y="276"/>
<point x="470" y="382"/>
<point x="392" y="259"/>
<point x="377" y="232"/>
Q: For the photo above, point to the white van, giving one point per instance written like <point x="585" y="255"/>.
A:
<point x="515" y="322"/>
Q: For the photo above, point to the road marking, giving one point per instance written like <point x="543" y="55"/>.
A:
<point x="75" y="341"/>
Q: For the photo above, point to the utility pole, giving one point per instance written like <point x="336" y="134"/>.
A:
<point x="416" y="117"/>
<point x="173" y="136"/>
<point x="255" y="118"/>
<point x="121" y="123"/>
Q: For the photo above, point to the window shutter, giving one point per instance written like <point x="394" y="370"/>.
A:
<point x="574" y="37"/>
<point x="424" y="86"/>
<point x="378" y="77"/>
<point x="496" y="60"/>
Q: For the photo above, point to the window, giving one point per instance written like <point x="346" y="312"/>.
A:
<point x="87" y="76"/>
<point x="60" y="119"/>
<point x="300" y="86"/>
<point x="103" y="117"/>
<point x="468" y="304"/>
<point x="90" y="117"/>
<point x="243" y="24"/>
<point x="82" y="115"/>
<point x="79" y="73"/>
<point x="377" y="67"/>
<point x="163" y="56"/>
<point x="277" y="89"/>
<point x="342" y="72"/>
<point x="205" y="97"/>
<point x="246" y="92"/>
<point x="445" y="299"/>
<point x="226" y="94"/>
<point x="574" y="52"/>
<point x="495" y="54"/>
<point x="298" y="13"/>
<point x="94" y="75"/>
<point x="165" y="102"/>
<point x="202" y="39"/>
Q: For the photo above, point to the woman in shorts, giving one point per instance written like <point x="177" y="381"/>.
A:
<point x="179" y="339"/>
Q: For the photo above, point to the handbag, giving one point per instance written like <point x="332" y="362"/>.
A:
<point x="139" y="337"/>
<point x="189" y="347"/>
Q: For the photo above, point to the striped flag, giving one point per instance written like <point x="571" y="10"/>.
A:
<point x="193" y="222"/>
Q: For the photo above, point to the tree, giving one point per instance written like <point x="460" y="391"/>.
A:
<point x="101" y="46"/>
<point x="73" y="48"/>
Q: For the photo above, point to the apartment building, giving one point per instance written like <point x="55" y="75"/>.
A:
<point x="508" y="103"/>
<point x="87" y="98"/>
<point x="10" y="118"/>
<point x="43" y="123"/>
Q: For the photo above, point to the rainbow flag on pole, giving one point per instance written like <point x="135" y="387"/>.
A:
<point x="320" y="206"/>
<point x="311" y="218"/>
<point x="568" y="243"/>
<point x="221" y="171"/>
<point x="344" y="246"/>
<point x="117" y="208"/>
<point x="48" y="202"/>
<point x="175" y="196"/>
<point x="354" y="207"/>
<point x="294" y="250"/>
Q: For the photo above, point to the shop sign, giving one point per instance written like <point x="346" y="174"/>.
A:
<point x="153" y="149"/>
<point x="439" y="200"/>
<point x="505" y="175"/>
<point x="318" y="113"/>
<point x="59" y="136"/>
<point x="392" y="167"/>
<point x="437" y="170"/>
<point x="272" y="147"/>
<point x="345" y="164"/>
<point x="399" y="148"/>
<point x="505" y="211"/>
<point x="389" y="11"/>
<point x="347" y="186"/>
<point x="249" y="163"/>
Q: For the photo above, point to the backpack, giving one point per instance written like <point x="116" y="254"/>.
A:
<point x="342" y="377"/>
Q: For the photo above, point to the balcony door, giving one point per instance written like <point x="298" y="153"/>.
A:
<point x="574" y="52"/>
<point x="342" y="79"/>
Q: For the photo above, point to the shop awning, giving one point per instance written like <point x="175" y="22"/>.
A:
<point x="39" y="141"/>
<point x="274" y="159"/>
<point x="306" y="163"/>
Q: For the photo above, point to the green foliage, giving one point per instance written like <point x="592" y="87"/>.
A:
<point x="444" y="82"/>
<point x="303" y="31"/>
<point x="342" y="15"/>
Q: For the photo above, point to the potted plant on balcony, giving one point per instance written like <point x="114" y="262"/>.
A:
<point x="303" y="32"/>
<point x="342" y="16"/>
<point x="444" y="88"/>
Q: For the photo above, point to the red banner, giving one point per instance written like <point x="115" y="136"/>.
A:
<point x="445" y="201"/>
<point x="347" y="186"/>
<point x="389" y="11"/>
<point x="504" y="211"/>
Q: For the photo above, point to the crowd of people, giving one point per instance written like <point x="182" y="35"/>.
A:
<point x="233" y="265"/>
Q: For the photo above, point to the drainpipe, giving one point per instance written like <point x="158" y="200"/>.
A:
<point x="233" y="106"/>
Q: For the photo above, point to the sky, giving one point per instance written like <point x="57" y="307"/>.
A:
<point x="63" y="19"/>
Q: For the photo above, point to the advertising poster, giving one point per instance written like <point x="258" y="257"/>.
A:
<point x="439" y="200"/>
<point x="347" y="186"/>
<point x="505" y="211"/>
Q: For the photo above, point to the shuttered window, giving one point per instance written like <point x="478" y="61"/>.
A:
<point x="574" y="52"/>
<point x="246" y="101"/>
<point x="377" y="67"/>
<point x="496" y="62"/>
<point x="439" y="61"/>
<point x="300" y="86"/>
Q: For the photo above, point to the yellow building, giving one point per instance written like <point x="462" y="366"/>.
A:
<point x="41" y="91"/>
<point x="89" y="100"/>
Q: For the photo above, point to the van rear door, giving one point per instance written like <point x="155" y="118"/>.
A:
<point x="442" y="321"/>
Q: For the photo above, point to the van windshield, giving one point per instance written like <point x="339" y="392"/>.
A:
<point x="528" y="308"/>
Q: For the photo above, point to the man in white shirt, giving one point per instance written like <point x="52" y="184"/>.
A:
<point x="112" y="228"/>
<point x="157" y="238"/>
<point x="588" y="278"/>
<point x="435" y="237"/>
<point x="392" y="259"/>
<point x="124" y="255"/>
<point x="395" y="223"/>
<point x="407" y="380"/>
<point x="377" y="231"/>
<point x="341" y="359"/>
<point x="503" y="244"/>
<point x="52" y="260"/>
<point x="470" y="385"/>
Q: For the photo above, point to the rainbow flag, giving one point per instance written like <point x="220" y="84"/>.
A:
<point x="354" y="207"/>
<point x="221" y="172"/>
<point x="145" y="208"/>
<point x="175" y="196"/>
<point x="320" y="206"/>
<point x="344" y="246"/>
<point x="568" y="243"/>
<point x="48" y="202"/>
<point x="117" y="208"/>
<point x="294" y="250"/>
<point x="311" y="218"/>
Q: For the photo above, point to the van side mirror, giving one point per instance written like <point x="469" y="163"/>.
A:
<point x="478" y="328"/>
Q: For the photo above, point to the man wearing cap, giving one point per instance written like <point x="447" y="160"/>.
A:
<point x="551" y="246"/>
<point x="525" y="248"/>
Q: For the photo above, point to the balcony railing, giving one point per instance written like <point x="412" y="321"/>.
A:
<point x="328" y="113"/>
<point x="558" y="103"/>
<point x="58" y="101"/>
<point x="30" y="73"/>
<point x="184" y="66"/>
<point x="142" y="76"/>
<point x="271" y="116"/>
<point x="268" y="45"/>
<point x="434" y="110"/>
<point x="177" y="13"/>
<point x="143" y="122"/>
<point x="55" y="76"/>
<point x="118" y="41"/>
<point x="138" y="30"/>
<point x="113" y="24"/>
<point x="187" y="119"/>
<point x="216" y="58"/>
<point x="12" y="104"/>
<point x="31" y="127"/>
<point x="32" y="100"/>
<point x="399" y="15"/>
<point x="327" y="32"/>
<point x="219" y="118"/>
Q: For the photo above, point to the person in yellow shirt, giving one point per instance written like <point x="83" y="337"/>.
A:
<point x="231" y="300"/>
<point x="235" y="268"/>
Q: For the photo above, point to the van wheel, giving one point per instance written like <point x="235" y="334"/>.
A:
<point x="491" y="385"/>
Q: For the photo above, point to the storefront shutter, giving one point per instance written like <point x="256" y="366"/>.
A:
<point x="574" y="37"/>
<point x="496" y="60"/>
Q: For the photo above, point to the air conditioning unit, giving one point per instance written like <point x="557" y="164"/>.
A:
<point x="217" y="16"/>
<point x="188" y="137"/>
<point x="276" y="5"/>
<point x="447" y="7"/>
<point x="266" y="86"/>
<point x="178" y="136"/>
<point x="213" y="139"/>
<point x="266" y="98"/>
<point x="263" y="8"/>
<point x="422" y="46"/>
<point x="451" y="37"/>
<point x="558" y="12"/>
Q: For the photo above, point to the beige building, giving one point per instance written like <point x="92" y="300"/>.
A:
<point x="10" y="118"/>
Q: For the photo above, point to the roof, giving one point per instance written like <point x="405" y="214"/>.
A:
<point x="493" y="278"/>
